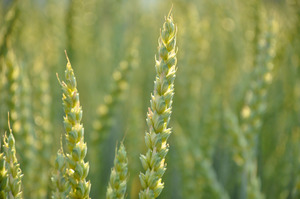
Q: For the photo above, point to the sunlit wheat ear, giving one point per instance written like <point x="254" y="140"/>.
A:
<point x="77" y="169"/>
<point x="159" y="113"/>
<point x="14" y="173"/>
<point x="119" y="175"/>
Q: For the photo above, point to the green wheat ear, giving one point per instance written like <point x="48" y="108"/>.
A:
<point x="159" y="113"/>
<point x="77" y="169"/>
<point x="14" y="173"/>
<point x="119" y="175"/>
<point x="60" y="185"/>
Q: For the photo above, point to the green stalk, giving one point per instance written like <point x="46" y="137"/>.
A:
<point x="77" y="168"/>
<point x="119" y="175"/>
<point x="159" y="113"/>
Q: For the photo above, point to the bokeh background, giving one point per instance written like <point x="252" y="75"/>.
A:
<point x="111" y="45"/>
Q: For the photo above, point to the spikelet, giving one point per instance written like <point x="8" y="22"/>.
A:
<point x="159" y="113"/>
<point x="13" y="167"/>
<point x="119" y="175"/>
<point x="77" y="169"/>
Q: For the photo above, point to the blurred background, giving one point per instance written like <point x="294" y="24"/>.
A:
<point x="235" y="118"/>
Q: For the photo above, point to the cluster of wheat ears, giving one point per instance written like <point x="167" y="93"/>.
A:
<point x="235" y="115"/>
<point x="71" y="170"/>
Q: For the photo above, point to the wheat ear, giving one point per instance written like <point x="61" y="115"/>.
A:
<point x="119" y="175"/>
<point x="77" y="169"/>
<point x="13" y="167"/>
<point x="159" y="113"/>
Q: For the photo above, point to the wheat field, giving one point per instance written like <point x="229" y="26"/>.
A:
<point x="90" y="106"/>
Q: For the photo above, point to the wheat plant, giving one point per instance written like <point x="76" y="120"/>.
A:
<point x="236" y="113"/>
